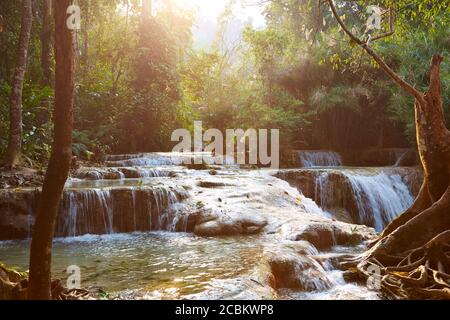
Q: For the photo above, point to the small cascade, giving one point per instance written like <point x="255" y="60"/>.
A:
<point x="121" y="173"/>
<point x="372" y="197"/>
<point x="381" y="198"/>
<point x="143" y="161"/>
<point x="151" y="159"/>
<point x="110" y="210"/>
<point x="167" y="159"/>
<point x="309" y="159"/>
<point x="97" y="211"/>
<point x="85" y="212"/>
<point x="373" y="200"/>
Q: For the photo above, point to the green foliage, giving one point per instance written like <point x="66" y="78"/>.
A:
<point x="412" y="56"/>
<point x="128" y="91"/>
<point x="37" y="129"/>
<point x="138" y="78"/>
<point x="340" y="96"/>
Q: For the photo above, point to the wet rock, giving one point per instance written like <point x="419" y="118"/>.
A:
<point x="218" y="228"/>
<point x="194" y="166"/>
<point x="130" y="173"/>
<point x="119" y="157"/>
<point x="227" y="225"/>
<point x="94" y="173"/>
<point x="353" y="275"/>
<point x="16" y="218"/>
<point x="294" y="271"/>
<point x="97" y="174"/>
<point x="212" y="184"/>
<point x="12" y="285"/>
<point x="323" y="236"/>
<point x="192" y="220"/>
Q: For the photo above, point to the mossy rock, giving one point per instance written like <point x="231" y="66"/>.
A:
<point x="12" y="283"/>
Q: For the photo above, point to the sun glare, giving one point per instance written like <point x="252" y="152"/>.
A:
<point x="204" y="6"/>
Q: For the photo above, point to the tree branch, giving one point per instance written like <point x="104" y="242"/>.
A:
<point x="435" y="88"/>
<point x="391" y="28"/>
<point x="435" y="79"/>
<point x="388" y="70"/>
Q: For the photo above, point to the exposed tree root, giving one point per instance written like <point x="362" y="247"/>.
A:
<point x="413" y="261"/>
<point x="421" y="273"/>
<point x="59" y="292"/>
<point x="413" y="252"/>
<point x="14" y="286"/>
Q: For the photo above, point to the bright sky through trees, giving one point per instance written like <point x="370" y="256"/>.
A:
<point x="207" y="12"/>
<point x="213" y="8"/>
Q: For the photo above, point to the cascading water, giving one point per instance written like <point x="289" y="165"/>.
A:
<point x="370" y="196"/>
<point x="89" y="211"/>
<point x="117" y="209"/>
<point x="268" y="211"/>
<point x="309" y="159"/>
<point x="167" y="159"/>
<point x="380" y="198"/>
<point x="121" y="173"/>
<point x="374" y="200"/>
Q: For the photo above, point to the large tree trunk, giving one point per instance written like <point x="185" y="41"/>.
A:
<point x="413" y="252"/>
<point x="60" y="160"/>
<point x="430" y="213"/>
<point x="13" y="152"/>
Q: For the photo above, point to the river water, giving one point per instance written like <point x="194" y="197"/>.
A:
<point x="150" y="198"/>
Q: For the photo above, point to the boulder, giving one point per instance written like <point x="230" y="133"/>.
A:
<point x="12" y="284"/>
<point x="291" y="270"/>
<point x="210" y="225"/>
<point x="323" y="236"/>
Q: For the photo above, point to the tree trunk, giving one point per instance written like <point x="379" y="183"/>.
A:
<point x="46" y="43"/>
<point x="429" y="215"/>
<point x="13" y="152"/>
<point x="413" y="252"/>
<point x="60" y="160"/>
<point x="86" y="34"/>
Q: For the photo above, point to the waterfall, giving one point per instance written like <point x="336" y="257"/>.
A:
<point x="86" y="212"/>
<point x="380" y="198"/>
<point x="167" y="159"/>
<point x="106" y="211"/>
<point x="374" y="200"/>
<point x="370" y="196"/>
<point x="319" y="158"/>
